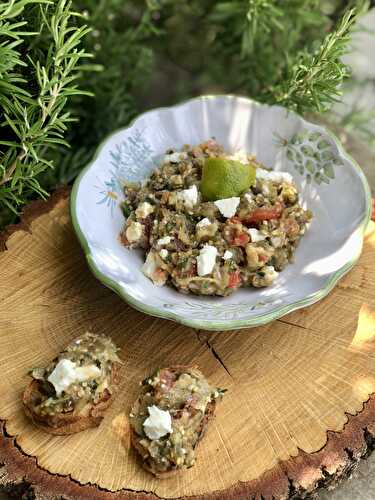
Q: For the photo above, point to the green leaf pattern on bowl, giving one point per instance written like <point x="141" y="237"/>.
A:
<point x="306" y="281"/>
<point x="312" y="156"/>
<point x="230" y="311"/>
<point x="131" y="161"/>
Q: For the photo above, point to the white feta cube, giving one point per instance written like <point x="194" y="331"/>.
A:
<point x="144" y="210"/>
<point x="228" y="206"/>
<point x="158" y="424"/>
<point x="189" y="196"/>
<point x="227" y="255"/>
<point x="239" y="155"/>
<point x="266" y="189"/>
<point x="277" y="241"/>
<point x="270" y="272"/>
<point x="134" y="232"/>
<point x="175" y="157"/>
<point x="275" y="176"/>
<point x="150" y="265"/>
<point x="206" y="260"/>
<point x="256" y="235"/>
<point x="204" y="222"/>
<point x="67" y="373"/>
<point x="163" y="253"/>
<point x="63" y="375"/>
<point x="164" y="241"/>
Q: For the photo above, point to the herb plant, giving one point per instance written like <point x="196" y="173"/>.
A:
<point x="71" y="71"/>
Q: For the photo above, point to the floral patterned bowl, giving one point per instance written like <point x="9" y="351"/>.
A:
<point x="330" y="183"/>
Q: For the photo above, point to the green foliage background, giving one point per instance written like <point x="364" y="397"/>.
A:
<point x="73" y="71"/>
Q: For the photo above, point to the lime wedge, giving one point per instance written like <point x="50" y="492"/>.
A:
<point x="222" y="178"/>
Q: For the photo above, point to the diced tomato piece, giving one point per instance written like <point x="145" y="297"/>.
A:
<point x="234" y="220"/>
<point x="263" y="258"/>
<point x="290" y="227"/>
<point x="234" y="279"/>
<point x="167" y="378"/>
<point x="261" y="214"/>
<point x="240" y="240"/>
<point x="124" y="239"/>
<point x="189" y="272"/>
<point x="191" y="401"/>
<point x="159" y="274"/>
<point x="235" y="233"/>
<point x="192" y="270"/>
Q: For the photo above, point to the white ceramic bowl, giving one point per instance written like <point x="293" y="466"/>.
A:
<point x="330" y="182"/>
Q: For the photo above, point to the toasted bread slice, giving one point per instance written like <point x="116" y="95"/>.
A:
<point x="85" y="413"/>
<point x="71" y="422"/>
<point x="136" y="440"/>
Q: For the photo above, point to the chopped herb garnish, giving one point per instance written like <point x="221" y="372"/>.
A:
<point x="182" y="263"/>
<point x="126" y="209"/>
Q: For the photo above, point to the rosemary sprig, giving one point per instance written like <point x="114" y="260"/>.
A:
<point x="148" y="53"/>
<point x="33" y="117"/>
<point x="315" y="80"/>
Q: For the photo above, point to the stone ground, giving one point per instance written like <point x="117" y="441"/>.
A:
<point x="362" y="485"/>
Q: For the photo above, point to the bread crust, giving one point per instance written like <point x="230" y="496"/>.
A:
<point x="135" y="438"/>
<point x="63" y="424"/>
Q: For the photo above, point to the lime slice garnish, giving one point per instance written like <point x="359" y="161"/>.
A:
<point x="222" y="178"/>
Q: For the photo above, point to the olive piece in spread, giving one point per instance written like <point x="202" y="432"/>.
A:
<point x="170" y="416"/>
<point x="72" y="392"/>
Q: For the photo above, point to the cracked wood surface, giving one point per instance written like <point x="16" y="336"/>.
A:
<point x="293" y="419"/>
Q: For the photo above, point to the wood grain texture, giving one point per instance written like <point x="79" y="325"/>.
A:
<point x="294" y="415"/>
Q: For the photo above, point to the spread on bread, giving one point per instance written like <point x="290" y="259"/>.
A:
<point x="170" y="416"/>
<point x="74" y="389"/>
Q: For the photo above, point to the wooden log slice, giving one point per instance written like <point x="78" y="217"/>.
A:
<point x="299" y="411"/>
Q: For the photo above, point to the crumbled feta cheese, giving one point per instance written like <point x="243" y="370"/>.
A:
<point x="63" y="375"/>
<point x="239" y="155"/>
<point x="189" y="196"/>
<point x="249" y="197"/>
<point x="276" y="241"/>
<point x="87" y="372"/>
<point x="164" y="241"/>
<point x="266" y="189"/>
<point x="144" y="209"/>
<point x="150" y="265"/>
<point x="151" y="268"/>
<point x="134" y="231"/>
<point x="163" y="253"/>
<point x="204" y="222"/>
<point x="158" y="424"/>
<point x="227" y="255"/>
<point x="206" y="260"/>
<point x="274" y="175"/>
<point x="228" y="206"/>
<point x="175" y="157"/>
<point x="66" y="373"/>
<point x="256" y="235"/>
<point x="270" y="272"/>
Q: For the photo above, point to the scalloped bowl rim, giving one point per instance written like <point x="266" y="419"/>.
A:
<point x="256" y="320"/>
